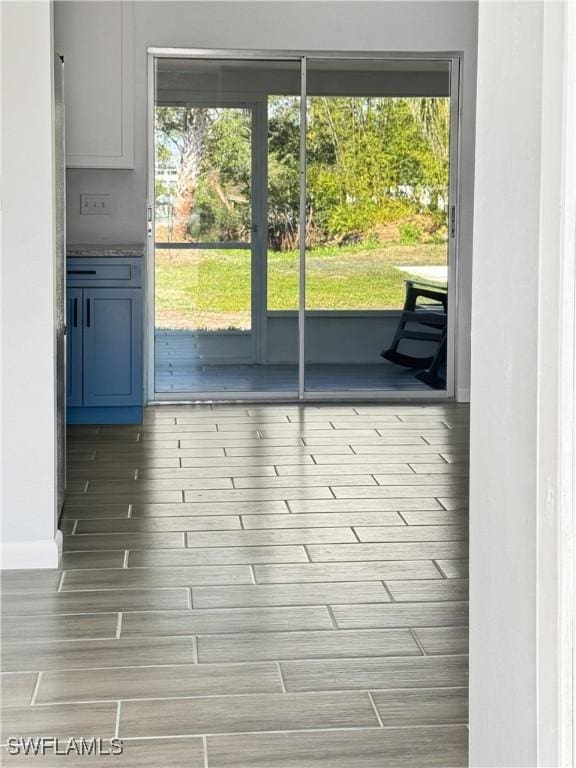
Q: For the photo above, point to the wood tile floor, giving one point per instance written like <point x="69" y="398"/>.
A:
<point x="252" y="587"/>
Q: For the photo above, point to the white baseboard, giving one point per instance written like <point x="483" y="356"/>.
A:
<point x="463" y="395"/>
<point x="43" y="553"/>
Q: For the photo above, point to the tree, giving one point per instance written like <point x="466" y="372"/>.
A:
<point x="283" y="172"/>
<point x="224" y="194"/>
<point x="433" y="119"/>
<point x="183" y="130"/>
<point x="371" y="161"/>
<point x="372" y="158"/>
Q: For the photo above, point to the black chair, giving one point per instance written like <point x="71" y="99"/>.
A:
<point x="425" y="305"/>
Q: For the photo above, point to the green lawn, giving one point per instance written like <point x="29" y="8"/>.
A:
<point x="211" y="289"/>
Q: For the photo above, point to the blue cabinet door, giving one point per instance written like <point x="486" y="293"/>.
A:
<point x="74" y="331"/>
<point x="112" y="346"/>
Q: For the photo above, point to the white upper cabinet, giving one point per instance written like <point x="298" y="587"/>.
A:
<point x="97" y="42"/>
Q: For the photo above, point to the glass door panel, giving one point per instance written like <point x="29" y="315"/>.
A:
<point x="203" y="227"/>
<point x="378" y="181"/>
<point x="226" y="273"/>
<point x="283" y="231"/>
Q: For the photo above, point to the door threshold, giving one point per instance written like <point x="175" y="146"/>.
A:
<point x="382" y="396"/>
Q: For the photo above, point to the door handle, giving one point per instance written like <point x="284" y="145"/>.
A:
<point x="87" y="313"/>
<point x="81" y="272"/>
<point x="75" y="313"/>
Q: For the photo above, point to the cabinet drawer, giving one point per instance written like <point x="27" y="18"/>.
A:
<point x="104" y="272"/>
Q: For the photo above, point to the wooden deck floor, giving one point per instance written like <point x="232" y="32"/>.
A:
<point x="277" y="587"/>
<point x="178" y="369"/>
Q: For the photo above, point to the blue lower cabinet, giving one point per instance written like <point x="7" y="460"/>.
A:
<point x="105" y="360"/>
<point x="112" y="415"/>
<point x="112" y="347"/>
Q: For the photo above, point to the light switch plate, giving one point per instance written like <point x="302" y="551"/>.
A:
<point x="95" y="204"/>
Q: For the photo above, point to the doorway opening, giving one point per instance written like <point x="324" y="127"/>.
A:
<point x="294" y="202"/>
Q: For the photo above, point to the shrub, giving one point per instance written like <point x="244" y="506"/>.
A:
<point x="393" y="210"/>
<point x="409" y="233"/>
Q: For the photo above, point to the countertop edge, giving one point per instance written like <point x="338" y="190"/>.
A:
<point x="105" y="251"/>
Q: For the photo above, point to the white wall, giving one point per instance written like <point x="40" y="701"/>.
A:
<point x="27" y="372"/>
<point x="517" y="422"/>
<point x="374" y="26"/>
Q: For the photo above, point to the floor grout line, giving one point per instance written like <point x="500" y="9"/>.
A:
<point x="388" y="592"/>
<point x="343" y="691"/>
<point x="320" y="729"/>
<point x="375" y="708"/>
<point x="35" y="690"/>
<point x="435" y="563"/>
<point x="281" y="675"/>
<point x="60" y="581"/>
<point x="332" y="618"/>
<point x="412" y="631"/>
<point x="117" y="724"/>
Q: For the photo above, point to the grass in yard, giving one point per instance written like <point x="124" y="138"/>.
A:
<point x="210" y="289"/>
<point x="204" y="289"/>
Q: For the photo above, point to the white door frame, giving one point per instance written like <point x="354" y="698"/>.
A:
<point x="557" y="402"/>
<point x="523" y="415"/>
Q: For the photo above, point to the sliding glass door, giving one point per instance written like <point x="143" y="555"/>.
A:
<point x="302" y="230"/>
